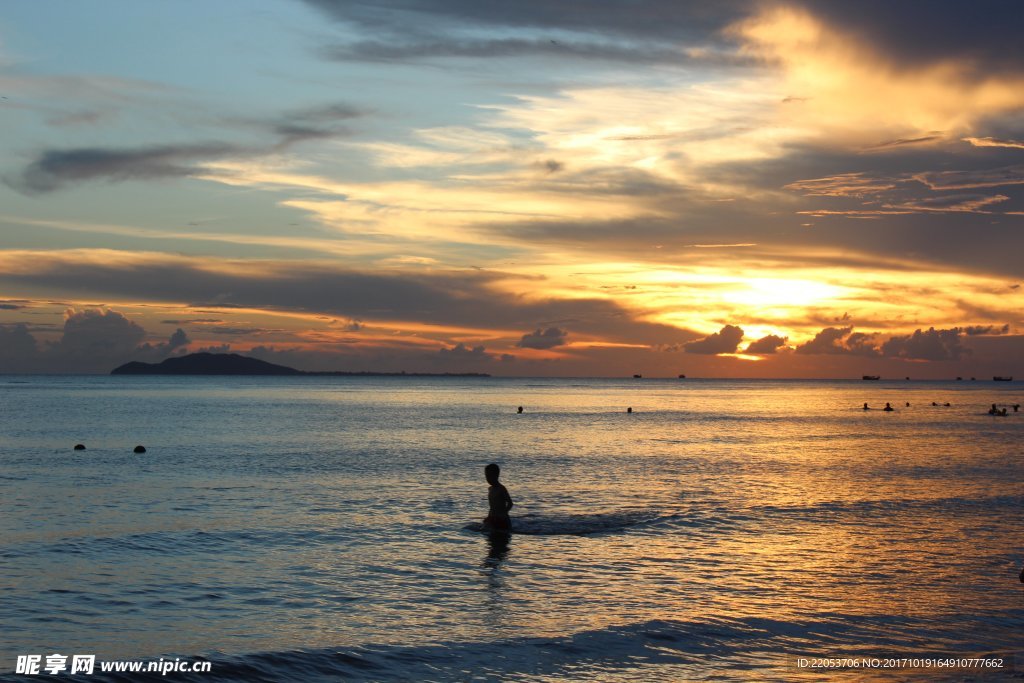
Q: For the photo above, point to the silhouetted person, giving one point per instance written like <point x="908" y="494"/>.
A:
<point x="993" y="410"/>
<point x="629" y="409"/>
<point x="934" y="403"/>
<point x="520" y="411"/>
<point x="498" y="500"/>
<point x="888" y="408"/>
<point x="908" y="404"/>
<point x="946" y="404"/>
<point x="497" y="549"/>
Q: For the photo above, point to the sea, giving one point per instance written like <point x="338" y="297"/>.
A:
<point x="326" y="529"/>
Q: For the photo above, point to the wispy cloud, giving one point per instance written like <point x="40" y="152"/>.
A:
<point x="995" y="142"/>
<point x="965" y="180"/>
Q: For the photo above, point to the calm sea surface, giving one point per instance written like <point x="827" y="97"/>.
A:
<point x="313" y="528"/>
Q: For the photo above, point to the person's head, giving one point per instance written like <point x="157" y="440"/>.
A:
<point x="491" y="473"/>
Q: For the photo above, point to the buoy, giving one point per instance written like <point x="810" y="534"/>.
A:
<point x="140" y="449"/>
<point x="79" y="447"/>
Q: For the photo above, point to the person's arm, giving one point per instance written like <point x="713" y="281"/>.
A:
<point x="508" y="501"/>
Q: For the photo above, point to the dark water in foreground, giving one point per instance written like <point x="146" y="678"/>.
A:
<point x="312" y="528"/>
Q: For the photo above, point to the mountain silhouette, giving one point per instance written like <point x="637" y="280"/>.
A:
<point x="206" y="364"/>
<point x="234" y="364"/>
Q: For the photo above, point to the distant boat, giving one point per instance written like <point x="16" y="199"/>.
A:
<point x="682" y="376"/>
<point x="871" y="377"/>
<point x="637" y="376"/>
<point x="997" y="378"/>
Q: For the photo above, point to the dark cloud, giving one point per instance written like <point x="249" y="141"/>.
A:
<point x="76" y="118"/>
<point x="311" y="123"/>
<point x="221" y="348"/>
<point x="932" y="344"/>
<point x="178" y="339"/>
<point x="236" y="331"/>
<point x="98" y="336"/>
<point x="726" y="340"/>
<point x="983" y="36"/>
<point x="403" y="51"/>
<point x="93" y="341"/>
<point x="356" y="358"/>
<point x="552" y="165"/>
<point x="671" y="21"/>
<point x="459" y="298"/>
<point x="766" y="345"/>
<point x="929" y="344"/>
<point x="195" y="321"/>
<point x="840" y="340"/>
<point x="975" y="330"/>
<point x="463" y="354"/>
<point x="155" y="352"/>
<point x="18" y="349"/>
<point x="56" y="168"/>
<point x="543" y="339"/>
<point x="902" y="142"/>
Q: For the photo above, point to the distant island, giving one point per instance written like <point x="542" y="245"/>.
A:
<point x="234" y="364"/>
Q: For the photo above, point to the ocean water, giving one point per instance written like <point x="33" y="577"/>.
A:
<point x="314" y="528"/>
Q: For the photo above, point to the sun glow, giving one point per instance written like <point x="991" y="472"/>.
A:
<point x="772" y="292"/>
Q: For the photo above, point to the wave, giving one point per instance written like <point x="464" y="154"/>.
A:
<point x="749" y="647"/>
<point x="568" y="524"/>
<point x="725" y="519"/>
<point x="887" y="506"/>
<point x="172" y="542"/>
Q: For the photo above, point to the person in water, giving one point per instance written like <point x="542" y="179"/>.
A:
<point x="888" y="408"/>
<point x="498" y="500"/>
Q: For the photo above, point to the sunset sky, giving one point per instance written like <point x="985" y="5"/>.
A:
<point x="721" y="189"/>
